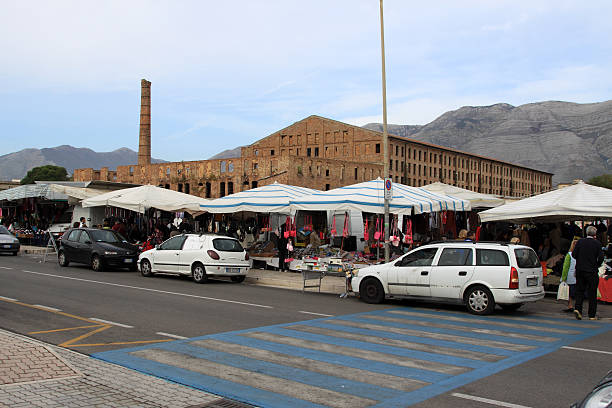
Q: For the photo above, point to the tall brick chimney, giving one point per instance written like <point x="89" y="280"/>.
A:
<point x="144" y="141"/>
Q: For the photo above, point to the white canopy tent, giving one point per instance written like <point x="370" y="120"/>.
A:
<point x="31" y="191"/>
<point x="577" y="202"/>
<point x="141" y="198"/>
<point x="475" y="199"/>
<point x="79" y="193"/>
<point x="369" y="197"/>
<point x="273" y="198"/>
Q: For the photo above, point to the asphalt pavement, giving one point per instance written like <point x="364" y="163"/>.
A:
<point x="289" y="348"/>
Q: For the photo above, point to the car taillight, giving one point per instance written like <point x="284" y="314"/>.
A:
<point x="213" y="254"/>
<point x="246" y="256"/>
<point x="514" y="279"/>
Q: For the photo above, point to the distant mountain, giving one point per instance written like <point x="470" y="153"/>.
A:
<point x="228" y="154"/>
<point x="16" y="165"/>
<point x="570" y="140"/>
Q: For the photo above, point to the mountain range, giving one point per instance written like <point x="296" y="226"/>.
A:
<point x="570" y="140"/>
<point x="16" y="165"/>
<point x="567" y="139"/>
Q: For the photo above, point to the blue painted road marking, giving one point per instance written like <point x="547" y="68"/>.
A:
<point x="344" y="344"/>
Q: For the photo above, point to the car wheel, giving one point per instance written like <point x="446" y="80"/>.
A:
<point x="479" y="300"/>
<point x="238" y="279"/>
<point x="62" y="259"/>
<point x="96" y="263"/>
<point x="371" y="291"/>
<point x="199" y="273"/>
<point x="512" y="306"/>
<point x="145" y="268"/>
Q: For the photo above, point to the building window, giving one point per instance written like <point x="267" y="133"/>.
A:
<point x="187" y="188"/>
<point x="396" y="166"/>
<point x="355" y="173"/>
<point x="316" y="152"/>
<point x="131" y="170"/>
<point x="223" y="167"/>
<point x="255" y="166"/>
<point x="253" y="184"/>
<point x="326" y="172"/>
<point x="420" y="158"/>
<point x="272" y="152"/>
<point x="230" y="187"/>
<point x="397" y="151"/>
<point x="207" y="193"/>
<point x="168" y="171"/>
<point x="222" y="189"/>
<point x="230" y="167"/>
<point x="377" y="147"/>
<point x="167" y="186"/>
<point x="327" y="187"/>
<point x="256" y="152"/>
<point x="308" y="151"/>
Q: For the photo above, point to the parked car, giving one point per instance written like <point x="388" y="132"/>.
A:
<point x="201" y="256"/>
<point x="99" y="248"/>
<point x="477" y="274"/>
<point x="8" y="242"/>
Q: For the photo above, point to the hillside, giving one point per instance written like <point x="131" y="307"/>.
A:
<point x="570" y="140"/>
<point x="16" y="165"/>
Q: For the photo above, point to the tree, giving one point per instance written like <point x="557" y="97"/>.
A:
<point x="45" y="173"/>
<point x="605" y="180"/>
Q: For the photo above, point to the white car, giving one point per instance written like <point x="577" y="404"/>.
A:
<point x="201" y="256"/>
<point x="478" y="274"/>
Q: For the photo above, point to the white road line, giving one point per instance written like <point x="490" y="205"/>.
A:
<point x="109" y="322"/>
<point x="174" y="336"/>
<point x="151" y="290"/>
<point x="316" y="314"/>
<point x="55" y="309"/>
<point x="589" y="350"/>
<point x="5" y="267"/>
<point x="488" y="401"/>
<point x="8" y="298"/>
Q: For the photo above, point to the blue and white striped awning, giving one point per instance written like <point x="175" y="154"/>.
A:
<point x="273" y="198"/>
<point x="369" y="197"/>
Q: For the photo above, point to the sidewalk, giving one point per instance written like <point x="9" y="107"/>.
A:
<point x="36" y="374"/>
<point x="293" y="280"/>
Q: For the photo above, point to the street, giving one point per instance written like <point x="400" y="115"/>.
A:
<point x="278" y="347"/>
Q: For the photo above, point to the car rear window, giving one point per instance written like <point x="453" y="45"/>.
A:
<point x="491" y="257"/>
<point x="227" y="245"/>
<point x="526" y="258"/>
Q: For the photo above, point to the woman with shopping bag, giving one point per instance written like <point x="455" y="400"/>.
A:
<point x="567" y="286"/>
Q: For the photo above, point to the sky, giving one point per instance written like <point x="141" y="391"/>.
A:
<point x="227" y="73"/>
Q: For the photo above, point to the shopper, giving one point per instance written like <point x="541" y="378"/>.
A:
<point x="282" y="248"/>
<point x="569" y="276"/>
<point x="589" y="257"/>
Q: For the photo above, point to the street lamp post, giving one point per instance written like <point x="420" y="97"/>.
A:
<point x="385" y="135"/>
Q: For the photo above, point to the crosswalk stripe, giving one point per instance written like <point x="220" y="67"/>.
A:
<point x="434" y="335"/>
<point x="398" y="343"/>
<point x="484" y="321"/>
<point x="366" y="354"/>
<point x="290" y="388"/>
<point x="463" y="328"/>
<point x="353" y="374"/>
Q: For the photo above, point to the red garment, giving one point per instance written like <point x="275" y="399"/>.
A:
<point x="605" y="289"/>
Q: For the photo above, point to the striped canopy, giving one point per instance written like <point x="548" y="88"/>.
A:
<point x="369" y="197"/>
<point x="273" y="198"/>
<point x="31" y="191"/>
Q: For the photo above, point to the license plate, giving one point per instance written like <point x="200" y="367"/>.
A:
<point x="532" y="281"/>
<point x="7" y="246"/>
<point x="232" y="270"/>
<point x="128" y="260"/>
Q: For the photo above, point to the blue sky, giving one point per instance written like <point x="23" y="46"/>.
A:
<point x="225" y="74"/>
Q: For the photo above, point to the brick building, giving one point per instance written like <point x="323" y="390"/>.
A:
<point x="322" y="153"/>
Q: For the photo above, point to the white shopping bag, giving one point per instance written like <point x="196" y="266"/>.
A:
<point x="563" y="291"/>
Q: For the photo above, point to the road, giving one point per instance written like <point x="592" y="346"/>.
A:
<point x="295" y="349"/>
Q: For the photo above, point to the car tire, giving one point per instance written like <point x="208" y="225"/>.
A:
<point x="371" y="291"/>
<point x="511" y="307"/>
<point x="145" y="268"/>
<point x="62" y="259"/>
<point x="479" y="300"/>
<point x="198" y="272"/>
<point x="238" y="279"/>
<point x="96" y="263"/>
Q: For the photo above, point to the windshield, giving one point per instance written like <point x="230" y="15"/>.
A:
<point x="3" y="230"/>
<point x="105" y="236"/>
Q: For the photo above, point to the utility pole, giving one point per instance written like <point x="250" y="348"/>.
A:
<point x="385" y="134"/>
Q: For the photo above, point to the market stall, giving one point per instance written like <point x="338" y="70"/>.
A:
<point x="477" y="200"/>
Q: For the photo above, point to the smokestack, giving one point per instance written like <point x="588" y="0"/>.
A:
<point x="144" y="141"/>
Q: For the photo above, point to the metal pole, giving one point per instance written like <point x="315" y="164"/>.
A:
<point x="385" y="135"/>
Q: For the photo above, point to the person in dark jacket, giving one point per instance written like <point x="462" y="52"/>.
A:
<point x="282" y="248"/>
<point x="589" y="257"/>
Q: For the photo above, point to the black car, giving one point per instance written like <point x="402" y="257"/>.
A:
<point x="99" y="248"/>
<point x="8" y="242"/>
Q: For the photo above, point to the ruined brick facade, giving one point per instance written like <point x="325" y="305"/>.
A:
<point x="323" y="154"/>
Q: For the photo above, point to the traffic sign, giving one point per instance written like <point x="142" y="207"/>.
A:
<point x="388" y="188"/>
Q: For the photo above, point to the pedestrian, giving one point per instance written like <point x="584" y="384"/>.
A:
<point x="589" y="257"/>
<point x="569" y="276"/>
<point x="83" y="223"/>
<point x="282" y="248"/>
